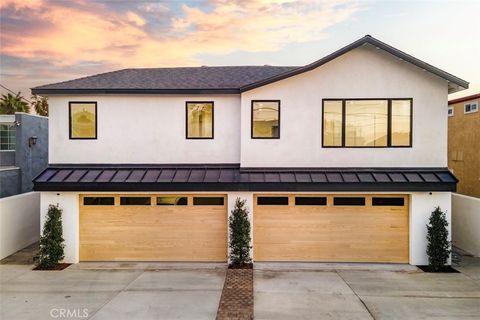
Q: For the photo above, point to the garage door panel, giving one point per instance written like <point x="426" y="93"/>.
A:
<point x="331" y="233"/>
<point x="153" y="233"/>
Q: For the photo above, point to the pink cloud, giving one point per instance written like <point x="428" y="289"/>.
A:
<point x="87" y="31"/>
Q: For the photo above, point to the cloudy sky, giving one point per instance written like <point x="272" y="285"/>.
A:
<point x="46" y="41"/>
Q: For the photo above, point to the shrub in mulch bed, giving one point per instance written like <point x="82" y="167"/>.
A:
<point x="444" y="269"/>
<point x="57" y="267"/>
<point x="240" y="266"/>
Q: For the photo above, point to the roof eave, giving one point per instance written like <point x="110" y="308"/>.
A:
<point x="45" y="91"/>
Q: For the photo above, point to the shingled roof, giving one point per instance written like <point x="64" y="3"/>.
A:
<point x="227" y="80"/>
<point x="168" y="80"/>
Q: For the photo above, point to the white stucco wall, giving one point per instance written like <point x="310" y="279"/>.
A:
<point x="145" y="129"/>
<point x="466" y="223"/>
<point x="421" y="206"/>
<point x="362" y="73"/>
<point x="19" y="222"/>
<point x="68" y="202"/>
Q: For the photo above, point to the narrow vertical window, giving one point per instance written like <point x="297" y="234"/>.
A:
<point x="83" y="120"/>
<point x="332" y="123"/>
<point x="401" y="123"/>
<point x="199" y="120"/>
<point x="266" y="119"/>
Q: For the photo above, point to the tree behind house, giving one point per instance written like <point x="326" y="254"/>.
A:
<point x="239" y="234"/>
<point x="9" y="104"/>
<point x="51" y="242"/>
<point x="438" y="248"/>
<point x="40" y="104"/>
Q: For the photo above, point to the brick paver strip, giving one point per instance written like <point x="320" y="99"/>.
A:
<point x="237" y="295"/>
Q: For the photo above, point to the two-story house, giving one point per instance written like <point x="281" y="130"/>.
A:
<point x="343" y="159"/>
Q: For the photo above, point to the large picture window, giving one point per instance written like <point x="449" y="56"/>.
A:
<point x="266" y="119"/>
<point x="367" y="123"/>
<point x="83" y="120"/>
<point x="200" y="120"/>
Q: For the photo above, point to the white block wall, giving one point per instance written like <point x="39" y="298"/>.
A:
<point x="466" y="223"/>
<point x="19" y="222"/>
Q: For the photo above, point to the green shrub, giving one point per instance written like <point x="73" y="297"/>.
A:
<point x="239" y="234"/>
<point x="51" y="242"/>
<point x="438" y="248"/>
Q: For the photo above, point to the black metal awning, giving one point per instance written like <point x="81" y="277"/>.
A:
<point x="141" y="178"/>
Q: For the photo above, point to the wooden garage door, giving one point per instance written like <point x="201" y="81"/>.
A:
<point x="331" y="228"/>
<point x="153" y="228"/>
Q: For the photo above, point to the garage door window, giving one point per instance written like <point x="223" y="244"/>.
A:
<point x="389" y="202"/>
<point x="135" y="201"/>
<point x="98" y="201"/>
<point x="310" y="201"/>
<point x="171" y="201"/>
<point x="208" y="201"/>
<point x="272" y="201"/>
<point x="348" y="201"/>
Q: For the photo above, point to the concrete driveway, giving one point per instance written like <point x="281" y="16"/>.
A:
<point x="99" y="293"/>
<point x="365" y="294"/>
<point x="192" y="291"/>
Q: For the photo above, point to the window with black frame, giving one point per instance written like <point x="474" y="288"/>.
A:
<point x="266" y="119"/>
<point x="368" y="123"/>
<point x="199" y="120"/>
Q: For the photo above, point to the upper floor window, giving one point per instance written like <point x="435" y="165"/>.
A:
<point x="83" y="120"/>
<point x="200" y="120"/>
<point x="470" y="107"/>
<point x="7" y="136"/>
<point x="450" y="111"/>
<point x="367" y="123"/>
<point x="266" y="119"/>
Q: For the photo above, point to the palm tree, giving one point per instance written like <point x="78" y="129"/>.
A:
<point x="40" y="104"/>
<point x="9" y="104"/>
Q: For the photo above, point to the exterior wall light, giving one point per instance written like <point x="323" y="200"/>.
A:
<point x="32" y="141"/>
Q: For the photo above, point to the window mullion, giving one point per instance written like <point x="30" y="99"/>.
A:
<point x="389" y="123"/>
<point x="343" y="123"/>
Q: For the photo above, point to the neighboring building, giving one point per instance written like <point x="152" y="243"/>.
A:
<point x="23" y="151"/>
<point x="340" y="160"/>
<point x="464" y="143"/>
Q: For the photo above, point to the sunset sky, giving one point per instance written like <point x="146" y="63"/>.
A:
<point x="46" y="41"/>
